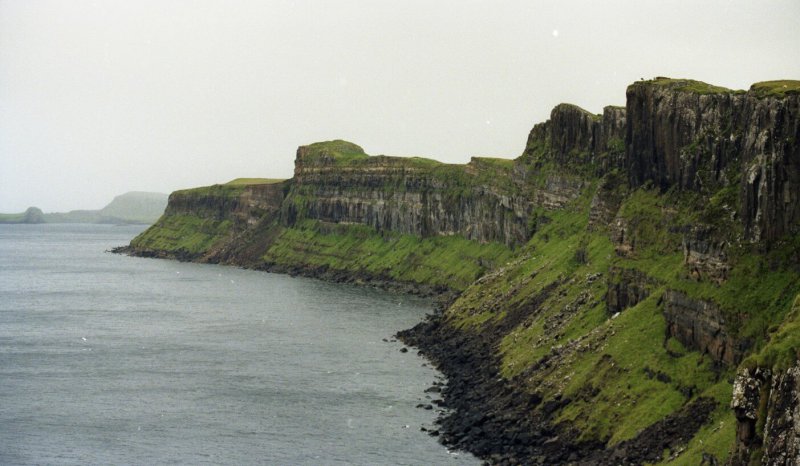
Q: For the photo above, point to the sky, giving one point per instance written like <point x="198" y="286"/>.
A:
<point x="98" y="98"/>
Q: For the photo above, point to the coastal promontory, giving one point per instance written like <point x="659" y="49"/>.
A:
<point x="625" y="291"/>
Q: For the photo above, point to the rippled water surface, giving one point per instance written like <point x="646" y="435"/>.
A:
<point x="111" y="359"/>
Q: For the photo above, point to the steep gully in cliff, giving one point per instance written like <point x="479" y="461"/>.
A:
<point x="638" y="231"/>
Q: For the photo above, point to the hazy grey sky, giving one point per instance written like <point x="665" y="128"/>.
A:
<point x="102" y="97"/>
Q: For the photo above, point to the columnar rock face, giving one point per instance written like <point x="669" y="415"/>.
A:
<point x="244" y="205"/>
<point x="610" y="134"/>
<point x="770" y="129"/>
<point x="697" y="137"/>
<point x="576" y="136"/>
<point x="777" y="395"/>
<point x="572" y="134"/>
<point x="412" y="196"/>
<point x="699" y="325"/>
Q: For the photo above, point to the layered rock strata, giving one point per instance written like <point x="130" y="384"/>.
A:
<point x="700" y="325"/>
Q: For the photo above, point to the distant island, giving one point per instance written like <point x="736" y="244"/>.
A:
<point x="133" y="207"/>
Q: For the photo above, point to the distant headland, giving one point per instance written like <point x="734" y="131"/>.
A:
<point x="133" y="207"/>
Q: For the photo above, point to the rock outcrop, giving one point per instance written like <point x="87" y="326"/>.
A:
<point x="699" y="137"/>
<point x="338" y="183"/>
<point x="626" y="288"/>
<point x="761" y="396"/>
<point x="574" y="136"/>
<point x="244" y="205"/>
<point x="31" y="215"/>
<point x="700" y="325"/>
<point x="704" y="255"/>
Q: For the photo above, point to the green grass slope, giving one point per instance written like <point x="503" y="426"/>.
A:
<point x="444" y="261"/>
<point x="621" y="371"/>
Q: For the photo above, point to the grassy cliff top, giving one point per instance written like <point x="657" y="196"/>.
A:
<point x="344" y="153"/>
<point x="687" y="85"/>
<point x="222" y="190"/>
<point x="252" y="181"/>
<point x="779" y="89"/>
<point x="572" y="107"/>
<point x="337" y="151"/>
<point x="230" y="189"/>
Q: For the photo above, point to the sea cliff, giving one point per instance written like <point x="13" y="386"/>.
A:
<point x="623" y="292"/>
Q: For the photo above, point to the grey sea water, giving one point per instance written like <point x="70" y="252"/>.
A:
<point x="108" y="359"/>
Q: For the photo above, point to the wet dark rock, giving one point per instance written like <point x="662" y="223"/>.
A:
<point x="500" y="422"/>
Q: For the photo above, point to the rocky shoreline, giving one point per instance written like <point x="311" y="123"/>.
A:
<point x="499" y="422"/>
<point x="438" y="294"/>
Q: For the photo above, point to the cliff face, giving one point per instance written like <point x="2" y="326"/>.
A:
<point x="702" y="138"/>
<point x="244" y="205"/>
<point x="700" y="325"/>
<point x="205" y="224"/>
<point x="480" y="201"/>
<point x="574" y="136"/>
<point x="612" y="278"/>
<point x="767" y="410"/>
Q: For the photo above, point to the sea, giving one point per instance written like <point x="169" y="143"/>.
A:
<point x="110" y="359"/>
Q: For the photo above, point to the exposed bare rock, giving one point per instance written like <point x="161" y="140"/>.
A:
<point x="690" y="135"/>
<point x="757" y="392"/>
<point x="700" y="325"/>
<point x="621" y="237"/>
<point x="782" y="428"/>
<point x="572" y="134"/>
<point x="704" y="255"/>
<point x="246" y="207"/>
<point x="610" y="137"/>
<point x="605" y="203"/>
<point x="397" y="194"/>
<point x="558" y="191"/>
<point x="626" y="288"/>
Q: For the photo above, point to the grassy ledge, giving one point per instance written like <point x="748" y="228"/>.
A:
<point x="778" y="89"/>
